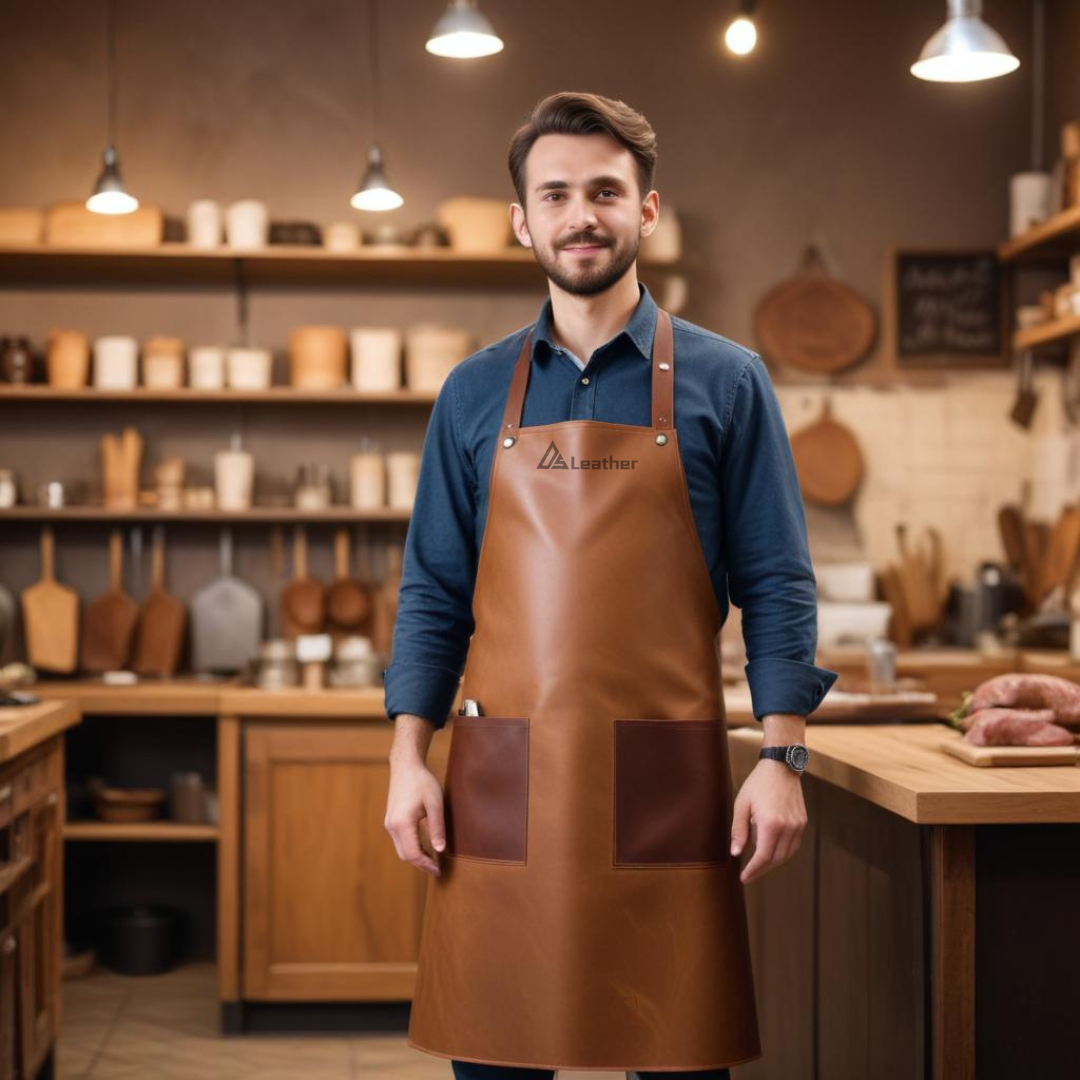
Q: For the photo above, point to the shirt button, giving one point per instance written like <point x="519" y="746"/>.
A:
<point x="585" y="381"/>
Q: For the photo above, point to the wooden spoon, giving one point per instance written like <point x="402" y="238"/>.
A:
<point x="348" y="600"/>
<point x="303" y="600"/>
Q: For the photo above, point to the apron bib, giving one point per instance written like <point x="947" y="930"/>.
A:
<point x="589" y="915"/>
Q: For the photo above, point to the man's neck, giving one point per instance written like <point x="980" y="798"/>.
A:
<point x="583" y="323"/>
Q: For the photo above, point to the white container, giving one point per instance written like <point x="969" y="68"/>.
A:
<point x="249" y="369"/>
<point x="1029" y="201"/>
<point x="341" y="236"/>
<point x="116" y="363"/>
<point x="204" y="223"/>
<point x="247" y="225"/>
<point x="402" y="469"/>
<point x="206" y="367"/>
<point x="376" y="357"/>
<point x="234" y="476"/>
<point x="848" y="581"/>
<point x="846" y="624"/>
<point x="367" y="480"/>
<point x="431" y="352"/>
<point x="163" y="363"/>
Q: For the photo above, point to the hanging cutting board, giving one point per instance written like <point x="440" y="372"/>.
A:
<point x="814" y="322"/>
<point x="226" y="619"/>
<point x="109" y="625"/>
<point x="348" y="600"/>
<point x="159" y="635"/>
<point x="303" y="601"/>
<point x="51" y="617"/>
<point x="828" y="459"/>
<point x="989" y="756"/>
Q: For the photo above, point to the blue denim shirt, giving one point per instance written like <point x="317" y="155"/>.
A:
<point x="740" y="472"/>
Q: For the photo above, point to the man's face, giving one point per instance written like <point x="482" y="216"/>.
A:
<point x="584" y="217"/>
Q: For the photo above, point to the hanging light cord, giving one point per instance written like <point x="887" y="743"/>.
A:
<point x="374" y="68"/>
<point x="110" y="66"/>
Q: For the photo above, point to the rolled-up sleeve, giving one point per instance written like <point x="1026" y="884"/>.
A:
<point x="434" y="617"/>
<point x="769" y="573"/>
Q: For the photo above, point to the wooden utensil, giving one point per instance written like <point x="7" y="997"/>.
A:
<point x="1061" y="548"/>
<point x="226" y="619"/>
<point x="814" y="322"/>
<point x="348" y="600"/>
<point x="386" y="601"/>
<point x="1011" y="527"/>
<point x="159" y="635"/>
<point x="828" y="459"/>
<point x="892" y="588"/>
<point x="109" y="625"/>
<point x="303" y="600"/>
<point x="7" y="625"/>
<point x="51" y="616"/>
<point x="915" y="577"/>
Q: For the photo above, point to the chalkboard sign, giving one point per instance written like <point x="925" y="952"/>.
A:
<point x="948" y="308"/>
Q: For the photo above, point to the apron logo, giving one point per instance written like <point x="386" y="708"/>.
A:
<point x="553" y="459"/>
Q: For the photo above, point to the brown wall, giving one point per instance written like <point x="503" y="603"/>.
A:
<point x="823" y="134"/>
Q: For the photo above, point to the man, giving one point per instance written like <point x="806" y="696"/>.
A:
<point x="582" y="513"/>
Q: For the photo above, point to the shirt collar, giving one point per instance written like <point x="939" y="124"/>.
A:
<point x="639" y="328"/>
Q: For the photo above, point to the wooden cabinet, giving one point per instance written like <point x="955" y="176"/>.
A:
<point x="330" y="913"/>
<point x="31" y="890"/>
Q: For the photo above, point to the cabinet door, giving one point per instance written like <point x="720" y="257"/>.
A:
<point x="38" y="943"/>
<point x="9" y="981"/>
<point x="330" y="911"/>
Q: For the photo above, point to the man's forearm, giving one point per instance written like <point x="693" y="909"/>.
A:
<point x="783" y="729"/>
<point x="412" y="737"/>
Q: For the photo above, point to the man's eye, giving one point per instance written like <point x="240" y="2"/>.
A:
<point x="608" y="191"/>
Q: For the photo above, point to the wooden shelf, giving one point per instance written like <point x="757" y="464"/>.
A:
<point x="276" y="395"/>
<point x="172" y="831"/>
<point x="259" y="515"/>
<point x="278" y="264"/>
<point x="1053" y="240"/>
<point x="1047" y="333"/>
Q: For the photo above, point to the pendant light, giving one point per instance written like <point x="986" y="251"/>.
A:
<point x="109" y="195"/>
<point x="965" y="49"/>
<point x="375" y="192"/>
<point x="463" y="33"/>
<point x="741" y="34"/>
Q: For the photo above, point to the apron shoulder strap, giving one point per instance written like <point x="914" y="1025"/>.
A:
<point x="663" y="378"/>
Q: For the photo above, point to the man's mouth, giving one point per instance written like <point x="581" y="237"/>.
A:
<point x="584" y="249"/>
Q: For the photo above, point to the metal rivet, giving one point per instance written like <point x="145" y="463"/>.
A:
<point x="585" y="381"/>
<point x="661" y="438"/>
<point x="509" y="441"/>
<point x="664" y="366"/>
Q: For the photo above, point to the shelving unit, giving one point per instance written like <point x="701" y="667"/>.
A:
<point x="269" y="515"/>
<point x="275" y="395"/>
<point x="172" y="832"/>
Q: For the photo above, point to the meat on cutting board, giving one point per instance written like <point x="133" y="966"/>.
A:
<point x="1030" y="691"/>
<point x="1016" y="727"/>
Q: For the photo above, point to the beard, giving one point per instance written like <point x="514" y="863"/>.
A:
<point x="594" y="275"/>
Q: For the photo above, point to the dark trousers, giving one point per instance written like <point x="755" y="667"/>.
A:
<point x="470" y="1070"/>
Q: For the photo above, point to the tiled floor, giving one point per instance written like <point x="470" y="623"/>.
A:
<point x="166" y="1027"/>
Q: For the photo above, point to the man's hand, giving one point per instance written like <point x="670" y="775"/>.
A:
<point x="771" y="800"/>
<point x="415" y="794"/>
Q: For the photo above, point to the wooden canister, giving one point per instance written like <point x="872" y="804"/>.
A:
<point x="318" y="357"/>
<point x="431" y="352"/>
<point x="403" y="469"/>
<point x="67" y="359"/>
<point x="367" y="479"/>
<point x="163" y="363"/>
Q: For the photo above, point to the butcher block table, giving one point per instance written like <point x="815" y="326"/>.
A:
<point x="925" y="927"/>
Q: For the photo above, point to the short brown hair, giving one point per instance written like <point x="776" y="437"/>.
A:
<point x="570" y="113"/>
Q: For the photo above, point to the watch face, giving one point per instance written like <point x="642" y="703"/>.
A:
<point x="797" y="757"/>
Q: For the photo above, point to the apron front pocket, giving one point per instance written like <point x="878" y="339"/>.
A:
<point x="671" y="804"/>
<point x="486" y="794"/>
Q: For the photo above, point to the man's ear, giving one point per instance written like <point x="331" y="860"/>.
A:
<point x="650" y="213"/>
<point x="517" y="221"/>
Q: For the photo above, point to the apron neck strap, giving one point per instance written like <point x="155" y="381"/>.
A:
<point x="663" y="378"/>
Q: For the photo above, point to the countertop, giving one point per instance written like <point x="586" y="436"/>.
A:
<point x="900" y="768"/>
<point x="22" y="727"/>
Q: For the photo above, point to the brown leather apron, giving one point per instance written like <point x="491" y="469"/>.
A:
<point x="589" y="915"/>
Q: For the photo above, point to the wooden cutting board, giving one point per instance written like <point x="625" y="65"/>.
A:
<point x="51" y="617"/>
<point x="828" y="459"/>
<point x="303" y="601"/>
<point x="159" y="635"/>
<point x="990" y="756"/>
<point x="226" y="619"/>
<point x="109" y="625"/>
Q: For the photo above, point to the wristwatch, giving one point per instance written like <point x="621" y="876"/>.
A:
<point x="794" y="757"/>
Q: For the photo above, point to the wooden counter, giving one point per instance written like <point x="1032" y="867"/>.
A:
<point x="917" y="932"/>
<point x="22" y="727"/>
<point x="900" y="768"/>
